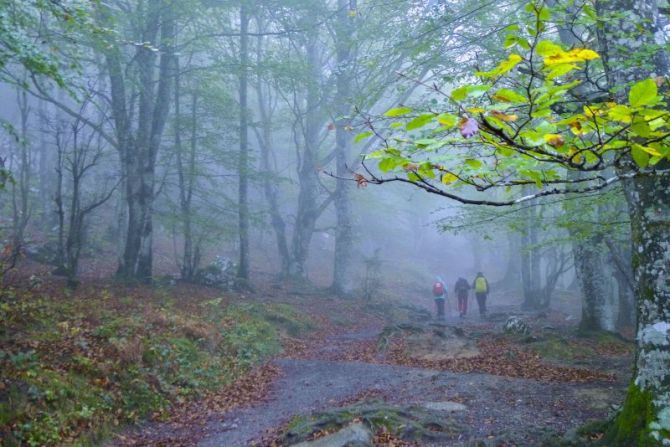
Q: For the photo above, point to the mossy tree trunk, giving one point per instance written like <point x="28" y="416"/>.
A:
<point x="627" y="36"/>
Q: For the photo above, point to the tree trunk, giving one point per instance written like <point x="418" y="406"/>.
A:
<point x="530" y="262"/>
<point x="343" y="233"/>
<point x="589" y="264"/>
<point x="644" y="420"/>
<point x="243" y="160"/>
<point x="139" y="149"/>
<point x="308" y="211"/>
<point x="21" y="189"/>
<point x="270" y="189"/>
<point x="512" y="276"/>
<point x="186" y="178"/>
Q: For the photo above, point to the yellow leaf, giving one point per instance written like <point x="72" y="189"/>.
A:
<point x="554" y="140"/>
<point x="584" y="54"/>
<point x="449" y="178"/>
<point x="503" y="116"/>
<point x="649" y="150"/>
<point x="557" y="56"/>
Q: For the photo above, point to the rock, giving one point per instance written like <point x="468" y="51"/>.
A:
<point x="447" y="406"/>
<point x="516" y="326"/>
<point x="353" y="435"/>
<point x="220" y="273"/>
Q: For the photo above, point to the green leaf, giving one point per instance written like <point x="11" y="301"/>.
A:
<point x="510" y="41"/>
<point x="474" y="164"/>
<point x="474" y="91"/>
<point x="388" y="164"/>
<point x="532" y="138"/>
<point x="547" y="48"/>
<point x="426" y="170"/>
<point x="620" y="113"/>
<point x="507" y="95"/>
<point x="561" y="70"/>
<point x="398" y="111"/>
<point x="362" y="136"/>
<point x="640" y="157"/>
<point x="376" y="154"/>
<point x="420" y="121"/>
<point x="643" y="93"/>
<point x="447" y="119"/>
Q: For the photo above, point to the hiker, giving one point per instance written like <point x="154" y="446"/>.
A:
<point x="481" y="286"/>
<point x="462" y="288"/>
<point x="440" y="295"/>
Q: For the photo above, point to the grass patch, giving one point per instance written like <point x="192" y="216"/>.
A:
<point x="570" y="348"/>
<point x="75" y="368"/>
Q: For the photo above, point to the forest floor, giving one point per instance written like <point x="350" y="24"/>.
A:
<point x="413" y="381"/>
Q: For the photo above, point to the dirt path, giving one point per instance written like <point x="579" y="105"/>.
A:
<point x="519" y="410"/>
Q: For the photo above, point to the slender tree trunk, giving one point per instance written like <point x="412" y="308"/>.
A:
<point x="308" y="211"/>
<point x="21" y="190"/>
<point x="513" y="272"/>
<point x="243" y="189"/>
<point x="186" y="178"/>
<point x="531" y="258"/>
<point x="589" y="264"/>
<point x="270" y="189"/>
<point x="343" y="233"/>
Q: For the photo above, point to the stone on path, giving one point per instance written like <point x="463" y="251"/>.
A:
<point x="445" y="406"/>
<point x="355" y="434"/>
<point x="516" y="326"/>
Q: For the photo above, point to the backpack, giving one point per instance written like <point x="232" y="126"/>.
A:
<point x="480" y="285"/>
<point x="438" y="289"/>
<point x="462" y="285"/>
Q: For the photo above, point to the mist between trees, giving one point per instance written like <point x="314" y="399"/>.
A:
<point x="357" y="146"/>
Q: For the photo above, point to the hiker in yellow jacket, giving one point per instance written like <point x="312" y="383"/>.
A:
<point x="481" y="286"/>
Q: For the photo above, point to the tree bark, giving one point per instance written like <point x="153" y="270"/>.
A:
<point x="343" y="233"/>
<point x="139" y="149"/>
<point x="270" y="188"/>
<point x="243" y="159"/>
<point x="589" y="264"/>
<point x="628" y="27"/>
<point x="308" y="210"/>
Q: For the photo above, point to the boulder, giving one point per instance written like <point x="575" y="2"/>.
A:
<point x="516" y="326"/>
<point x="220" y="274"/>
<point x="356" y="434"/>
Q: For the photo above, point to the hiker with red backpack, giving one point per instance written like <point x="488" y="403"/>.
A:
<point x="462" y="287"/>
<point x="440" y="295"/>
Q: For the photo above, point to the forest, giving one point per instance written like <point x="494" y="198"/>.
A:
<point x="330" y="223"/>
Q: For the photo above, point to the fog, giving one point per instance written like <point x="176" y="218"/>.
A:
<point x="208" y="206"/>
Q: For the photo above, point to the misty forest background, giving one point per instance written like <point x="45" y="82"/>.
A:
<point x="151" y="147"/>
<point x="136" y="160"/>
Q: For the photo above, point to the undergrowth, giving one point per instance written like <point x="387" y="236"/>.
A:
<point x="76" y="368"/>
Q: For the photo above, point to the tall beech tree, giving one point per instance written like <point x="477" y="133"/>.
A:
<point x="143" y="92"/>
<point x="521" y="123"/>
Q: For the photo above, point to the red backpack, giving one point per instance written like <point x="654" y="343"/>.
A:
<point x="438" y="289"/>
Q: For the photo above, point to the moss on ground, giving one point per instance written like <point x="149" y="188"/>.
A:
<point x="410" y="423"/>
<point x="75" y="369"/>
<point x="567" y="348"/>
